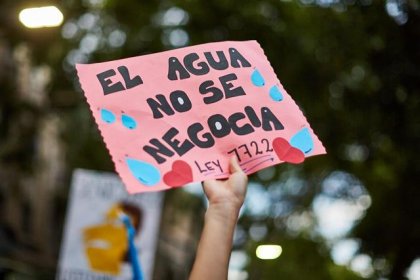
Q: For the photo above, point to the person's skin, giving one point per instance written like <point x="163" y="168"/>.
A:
<point x="225" y="200"/>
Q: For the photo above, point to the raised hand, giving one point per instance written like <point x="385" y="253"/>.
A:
<point x="230" y="192"/>
<point x="225" y="200"/>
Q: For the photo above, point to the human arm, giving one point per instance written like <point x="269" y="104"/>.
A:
<point x="225" y="200"/>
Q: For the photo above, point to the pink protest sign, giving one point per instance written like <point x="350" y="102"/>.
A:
<point x="175" y="117"/>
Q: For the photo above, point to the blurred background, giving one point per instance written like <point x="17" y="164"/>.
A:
<point x="353" y="66"/>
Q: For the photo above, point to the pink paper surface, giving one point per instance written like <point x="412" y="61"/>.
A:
<point x="258" y="122"/>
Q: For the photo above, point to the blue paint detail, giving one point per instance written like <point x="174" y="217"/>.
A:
<point x="144" y="172"/>
<point x="303" y="141"/>
<point x="276" y="94"/>
<point x="133" y="253"/>
<point x="128" y="122"/>
<point x="257" y="79"/>
<point x="107" y="116"/>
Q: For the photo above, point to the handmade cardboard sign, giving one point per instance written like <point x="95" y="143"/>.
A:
<point x="178" y="116"/>
<point x="95" y="243"/>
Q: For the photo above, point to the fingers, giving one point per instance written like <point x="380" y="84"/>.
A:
<point x="208" y="185"/>
<point x="234" y="165"/>
<point x="209" y="182"/>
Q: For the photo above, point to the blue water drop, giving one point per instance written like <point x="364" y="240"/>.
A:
<point x="257" y="79"/>
<point x="144" y="172"/>
<point x="276" y="94"/>
<point x="302" y="140"/>
<point x="128" y="122"/>
<point x="107" y="116"/>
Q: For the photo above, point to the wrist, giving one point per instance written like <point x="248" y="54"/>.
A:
<point x="224" y="212"/>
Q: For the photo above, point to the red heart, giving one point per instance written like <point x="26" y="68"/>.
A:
<point x="180" y="174"/>
<point x="286" y="152"/>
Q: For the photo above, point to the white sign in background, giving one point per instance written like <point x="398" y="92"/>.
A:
<point x="92" y="195"/>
